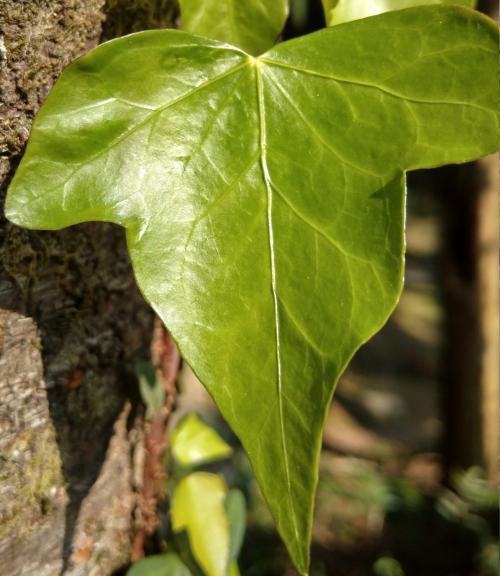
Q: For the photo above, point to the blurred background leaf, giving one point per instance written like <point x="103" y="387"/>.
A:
<point x="150" y="388"/>
<point x="340" y="11"/>
<point x="160" y="565"/>
<point x="198" y="508"/>
<point x="194" y="443"/>
<point x="237" y="514"/>
<point x="387" y="566"/>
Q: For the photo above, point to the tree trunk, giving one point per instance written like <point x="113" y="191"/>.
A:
<point x="72" y="324"/>
<point x="469" y="196"/>
<point x="487" y="266"/>
<point x="470" y="274"/>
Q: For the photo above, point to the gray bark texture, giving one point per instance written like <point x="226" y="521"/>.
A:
<point x="72" y="324"/>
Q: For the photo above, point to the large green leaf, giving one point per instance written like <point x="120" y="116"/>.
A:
<point x="198" y="508"/>
<point x="340" y="11"/>
<point x="264" y="200"/>
<point x="252" y="25"/>
<point x="194" y="443"/>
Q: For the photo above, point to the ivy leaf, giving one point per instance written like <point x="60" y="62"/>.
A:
<point x="340" y="11"/>
<point x="263" y="201"/>
<point x="198" y="508"/>
<point x="252" y="25"/>
<point x="194" y="443"/>
<point x="160" y="565"/>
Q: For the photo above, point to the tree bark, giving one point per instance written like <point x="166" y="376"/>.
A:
<point x="470" y="281"/>
<point x="487" y="266"/>
<point x="72" y="324"/>
<point x="469" y="195"/>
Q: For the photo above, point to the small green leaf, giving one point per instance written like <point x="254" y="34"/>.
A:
<point x="340" y="11"/>
<point x="263" y="200"/>
<point x="198" y="508"/>
<point x="236" y="510"/>
<point x="161" y="565"/>
<point x="194" y="443"/>
<point x="252" y="25"/>
<point x="387" y="566"/>
<point x="150" y="387"/>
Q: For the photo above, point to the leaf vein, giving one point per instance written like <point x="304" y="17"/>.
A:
<point x="315" y="132"/>
<point x="302" y="330"/>
<point x="269" y="194"/>
<point x="374" y="86"/>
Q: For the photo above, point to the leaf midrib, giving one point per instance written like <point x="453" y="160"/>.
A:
<point x="272" y="257"/>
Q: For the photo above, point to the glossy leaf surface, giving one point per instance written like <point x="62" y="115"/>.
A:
<point x="252" y="25"/>
<point x="264" y="201"/>
<point x="340" y="11"/>
<point x="198" y="508"/>
<point x="194" y="443"/>
<point x="161" y="565"/>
